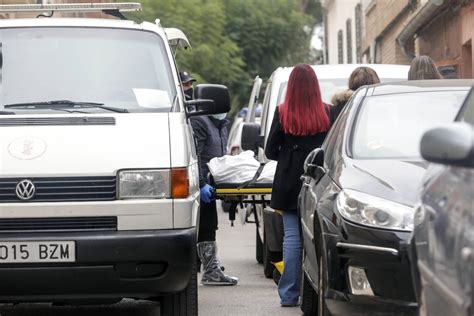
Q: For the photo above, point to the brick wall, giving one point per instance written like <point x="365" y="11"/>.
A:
<point x="379" y="14"/>
<point x="467" y="40"/>
<point x="390" y="52"/>
<point x="440" y="38"/>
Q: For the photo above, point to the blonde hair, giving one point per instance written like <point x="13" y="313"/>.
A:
<point x="422" y="68"/>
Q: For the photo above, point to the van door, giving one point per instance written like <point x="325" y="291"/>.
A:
<point x="252" y="106"/>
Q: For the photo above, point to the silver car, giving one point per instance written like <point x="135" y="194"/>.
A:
<point x="443" y="238"/>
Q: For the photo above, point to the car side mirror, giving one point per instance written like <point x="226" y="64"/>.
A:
<point x="251" y="138"/>
<point x="314" y="164"/>
<point x="209" y="99"/>
<point x="450" y="145"/>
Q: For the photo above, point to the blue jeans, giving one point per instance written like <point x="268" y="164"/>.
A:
<point x="289" y="285"/>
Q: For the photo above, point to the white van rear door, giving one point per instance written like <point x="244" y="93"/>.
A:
<point x="252" y="106"/>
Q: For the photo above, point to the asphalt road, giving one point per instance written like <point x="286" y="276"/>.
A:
<point x="254" y="295"/>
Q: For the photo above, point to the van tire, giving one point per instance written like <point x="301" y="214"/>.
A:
<point x="184" y="303"/>
<point x="258" y="247"/>
<point x="268" y="258"/>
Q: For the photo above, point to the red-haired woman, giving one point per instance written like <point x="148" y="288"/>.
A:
<point x="299" y="125"/>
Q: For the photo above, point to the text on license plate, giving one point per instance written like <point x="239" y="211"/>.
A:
<point x="37" y="251"/>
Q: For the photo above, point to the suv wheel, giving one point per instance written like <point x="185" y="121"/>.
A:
<point x="184" y="303"/>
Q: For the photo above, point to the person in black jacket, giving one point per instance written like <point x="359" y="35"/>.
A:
<point x="299" y="125"/>
<point x="210" y="134"/>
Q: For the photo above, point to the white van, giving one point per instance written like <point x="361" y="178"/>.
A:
<point x="332" y="78"/>
<point x="99" y="195"/>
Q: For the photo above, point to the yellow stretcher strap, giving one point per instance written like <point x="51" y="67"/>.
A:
<point x="247" y="191"/>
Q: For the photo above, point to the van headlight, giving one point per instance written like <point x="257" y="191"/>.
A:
<point x="373" y="211"/>
<point x="154" y="184"/>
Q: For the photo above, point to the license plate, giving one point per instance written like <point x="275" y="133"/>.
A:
<point x="37" y="251"/>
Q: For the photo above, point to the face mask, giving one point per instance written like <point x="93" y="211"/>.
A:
<point x="219" y="116"/>
<point x="189" y="93"/>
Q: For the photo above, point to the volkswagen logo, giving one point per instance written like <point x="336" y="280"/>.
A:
<point x="25" y="190"/>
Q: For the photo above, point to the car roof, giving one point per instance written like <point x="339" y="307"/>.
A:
<point x="345" y="70"/>
<point x="76" y="22"/>
<point x="419" y="86"/>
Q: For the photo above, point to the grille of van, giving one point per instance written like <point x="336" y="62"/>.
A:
<point x="58" y="224"/>
<point x="56" y="121"/>
<point x="62" y="189"/>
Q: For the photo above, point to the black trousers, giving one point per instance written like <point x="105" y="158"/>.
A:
<point x="207" y="222"/>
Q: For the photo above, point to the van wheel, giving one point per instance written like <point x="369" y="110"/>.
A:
<point x="258" y="247"/>
<point x="268" y="258"/>
<point x="184" y="303"/>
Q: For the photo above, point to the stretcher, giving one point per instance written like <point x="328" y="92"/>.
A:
<point x="239" y="194"/>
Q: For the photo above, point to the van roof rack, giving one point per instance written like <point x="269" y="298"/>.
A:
<point x="114" y="9"/>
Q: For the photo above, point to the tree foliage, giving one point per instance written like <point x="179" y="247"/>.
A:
<point x="234" y="40"/>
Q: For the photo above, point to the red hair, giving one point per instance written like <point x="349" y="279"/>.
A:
<point x="303" y="113"/>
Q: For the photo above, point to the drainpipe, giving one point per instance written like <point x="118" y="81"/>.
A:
<point x="423" y="16"/>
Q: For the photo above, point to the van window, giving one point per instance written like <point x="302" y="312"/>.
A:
<point x="117" y="67"/>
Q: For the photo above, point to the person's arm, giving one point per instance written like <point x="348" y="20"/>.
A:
<point x="275" y="138"/>
<point x="200" y="136"/>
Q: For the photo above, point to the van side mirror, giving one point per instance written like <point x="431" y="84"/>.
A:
<point x="251" y="138"/>
<point x="209" y="99"/>
<point x="314" y="164"/>
<point x="450" y="145"/>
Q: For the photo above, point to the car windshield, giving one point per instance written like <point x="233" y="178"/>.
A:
<point x="391" y="126"/>
<point x="467" y="113"/>
<point x="328" y="88"/>
<point x="118" y="68"/>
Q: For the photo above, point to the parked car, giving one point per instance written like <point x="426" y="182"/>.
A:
<point x="357" y="199"/>
<point x="443" y="237"/>
<point x="99" y="188"/>
<point x="332" y="78"/>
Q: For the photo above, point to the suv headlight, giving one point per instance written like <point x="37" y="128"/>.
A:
<point x="372" y="211"/>
<point x="153" y="184"/>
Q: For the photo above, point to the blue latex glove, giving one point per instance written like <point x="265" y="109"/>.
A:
<point x="206" y="193"/>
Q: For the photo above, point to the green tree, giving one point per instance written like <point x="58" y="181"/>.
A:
<point x="214" y="57"/>
<point x="234" y="40"/>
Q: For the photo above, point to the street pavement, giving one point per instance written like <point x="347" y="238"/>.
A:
<point x="254" y="295"/>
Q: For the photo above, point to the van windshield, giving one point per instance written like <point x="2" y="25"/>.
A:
<point x="124" y="69"/>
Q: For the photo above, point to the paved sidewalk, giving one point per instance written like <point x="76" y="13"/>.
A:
<point x="254" y="295"/>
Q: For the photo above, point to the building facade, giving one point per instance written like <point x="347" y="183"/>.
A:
<point x="399" y="30"/>
<point x="395" y="31"/>
<point x="343" y="23"/>
<point x="13" y="15"/>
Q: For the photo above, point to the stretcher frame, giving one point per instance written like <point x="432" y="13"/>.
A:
<point x="238" y="194"/>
